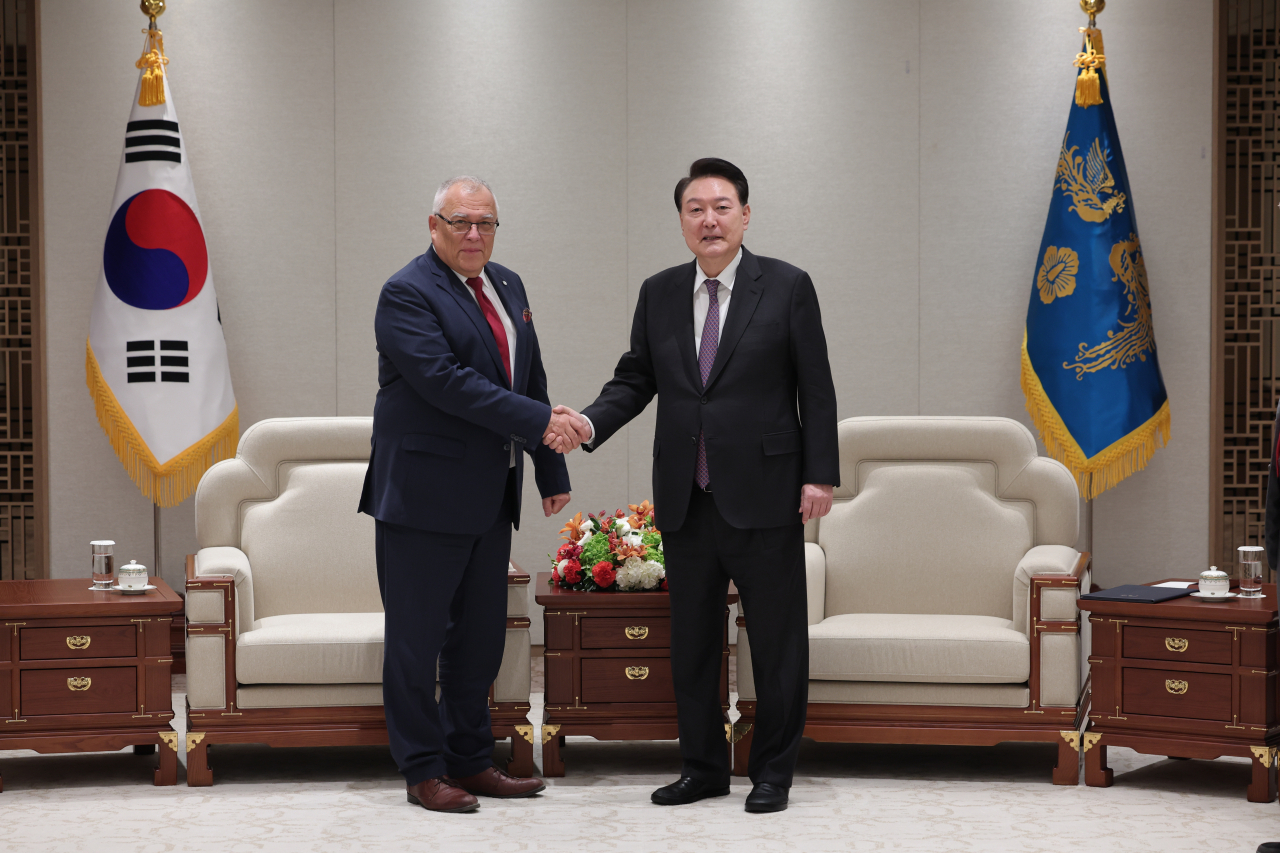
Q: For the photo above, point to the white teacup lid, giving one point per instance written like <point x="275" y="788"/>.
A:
<point x="1214" y="573"/>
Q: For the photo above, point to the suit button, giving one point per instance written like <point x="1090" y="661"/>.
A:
<point x="694" y="439"/>
<point x="506" y="447"/>
<point x="703" y="401"/>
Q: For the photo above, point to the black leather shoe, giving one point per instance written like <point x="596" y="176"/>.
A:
<point x="767" y="798"/>
<point x="687" y="790"/>
<point x="1269" y="847"/>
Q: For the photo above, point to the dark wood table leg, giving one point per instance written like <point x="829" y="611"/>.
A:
<point x="552" y="763"/>
<point x="1262" y="787"/>
<point x="742" y="750"/>
<point x="167" y="771"/>
<point x="1096" y="772"/>
<point x="1068" y="770"/>
<point x="521" y="763"/>
<point x="199" y="774"/>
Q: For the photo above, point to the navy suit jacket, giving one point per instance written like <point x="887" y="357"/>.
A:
<point x="446" y="416"/>
<point x="767" y="409"/>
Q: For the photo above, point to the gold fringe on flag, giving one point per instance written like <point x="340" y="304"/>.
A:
<point x="1091" y="61"/>
<point x="166" y="485"/>
<point x="1096" y="474"/>
<point x="151" y="93"/>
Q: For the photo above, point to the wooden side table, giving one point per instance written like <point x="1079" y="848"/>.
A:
<point x="85" y="671"/>
<point x="608" y="667"/>
<point x="1187" y="679"/>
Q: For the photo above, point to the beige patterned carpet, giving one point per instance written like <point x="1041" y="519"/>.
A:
<point x="846" y="797"/>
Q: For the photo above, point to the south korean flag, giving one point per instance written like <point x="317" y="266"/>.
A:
<point x="156" y="362"/>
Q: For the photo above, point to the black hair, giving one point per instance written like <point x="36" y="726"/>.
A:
<point x="713" y="167"/>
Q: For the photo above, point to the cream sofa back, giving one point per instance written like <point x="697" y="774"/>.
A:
<point x="933" y="515"/>
<point x="288" y="500"/>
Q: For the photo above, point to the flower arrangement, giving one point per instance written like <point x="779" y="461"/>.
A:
<point x="611" y="552"/>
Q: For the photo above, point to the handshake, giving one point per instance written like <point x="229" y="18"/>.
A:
<point x="566" y="430"/>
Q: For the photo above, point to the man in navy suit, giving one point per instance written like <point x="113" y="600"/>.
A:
<point x="462" y="397"/>
<point x="744" y="452"/>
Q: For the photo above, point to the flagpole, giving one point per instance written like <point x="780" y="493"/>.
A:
<point x="155" y="527"/>
<point x="1088" y="523"/>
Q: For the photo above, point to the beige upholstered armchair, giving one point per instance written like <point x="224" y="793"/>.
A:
<point x="942" y="592"/>
<point x="284" y="620"/>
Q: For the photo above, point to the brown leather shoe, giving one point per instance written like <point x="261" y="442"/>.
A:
<point x="442" y="794"/>
<point x="494" y="783"/>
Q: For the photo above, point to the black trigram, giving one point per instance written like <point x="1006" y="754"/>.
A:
<point x="155" y="146"/>
<point x="142" y="366"/>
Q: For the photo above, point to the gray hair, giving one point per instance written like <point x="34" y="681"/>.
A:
<point x="469" y="183"/>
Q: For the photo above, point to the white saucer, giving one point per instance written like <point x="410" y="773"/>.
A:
<point x="137" y="591"/>
<point x="1206" y="597"/>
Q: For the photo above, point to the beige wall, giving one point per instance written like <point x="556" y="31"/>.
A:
<point x="901" y="152"/>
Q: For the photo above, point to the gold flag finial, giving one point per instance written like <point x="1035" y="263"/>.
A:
<point x="151" y="92"/>
<point x="1091" y="59"/>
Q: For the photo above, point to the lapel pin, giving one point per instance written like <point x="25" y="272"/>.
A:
<point x="504" y="284"/>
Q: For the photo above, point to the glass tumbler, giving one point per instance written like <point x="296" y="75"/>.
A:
<point x="1251" y="559"/>
<point x="104" y="572"/>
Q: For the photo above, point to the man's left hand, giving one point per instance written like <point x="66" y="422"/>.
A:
<point x="815" y="501"/>
<point x="555" y="503"/>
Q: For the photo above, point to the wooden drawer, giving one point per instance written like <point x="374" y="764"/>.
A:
<point x="1178" y="644"/>
<point x="638" y="632"/>
<point x="627" y="680"/>
<point x="103" y="690"/>
<point x="1168" y="693"/>
<point x="101" y="641"/>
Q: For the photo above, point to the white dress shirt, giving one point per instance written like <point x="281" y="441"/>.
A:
<point x="701" y="305"/>
<point x="507" y="326"/>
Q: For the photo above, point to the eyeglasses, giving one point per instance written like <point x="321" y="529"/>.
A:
<point x="462" y="226"/>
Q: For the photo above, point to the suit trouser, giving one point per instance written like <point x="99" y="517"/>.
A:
<point x="445" y="597"/>
<point x="767" y="565"/>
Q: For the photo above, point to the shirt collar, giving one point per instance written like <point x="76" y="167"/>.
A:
<point x="726" y="277"/>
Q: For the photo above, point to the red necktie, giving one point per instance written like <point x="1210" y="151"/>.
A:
<point x="491" y="314"/>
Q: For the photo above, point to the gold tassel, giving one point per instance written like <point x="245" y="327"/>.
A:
<point x="1091" y="61"/>
<point x="151" y="92"/>
<point x="1105" y="469"/>
<point x="166" y="485"/>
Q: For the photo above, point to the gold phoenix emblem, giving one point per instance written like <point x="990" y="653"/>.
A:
<point x="1089" y="182"/>
<point x="79" y="642"/>
<point x="1137" y="336"/>
<point x="1057" y="276"/>
<point x="638" y="632"/>
<point x="79" y="683"/>
<point x="637" y="673"/>
<point x="1176" y="687"/>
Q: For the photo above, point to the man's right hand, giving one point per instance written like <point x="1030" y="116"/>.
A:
<point x="566" y="430"/>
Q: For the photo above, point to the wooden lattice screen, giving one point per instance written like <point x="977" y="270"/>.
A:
<point x="21" y="548"/>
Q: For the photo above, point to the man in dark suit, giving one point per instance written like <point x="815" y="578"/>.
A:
<point x="462" y="396"/>
<point x="744" y="452"/>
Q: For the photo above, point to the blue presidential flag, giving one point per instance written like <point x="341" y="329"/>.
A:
<point x="1089" y="367"/>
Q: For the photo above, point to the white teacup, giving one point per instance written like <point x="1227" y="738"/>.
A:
<point x="1214" y="582"/>
<point x="132" y="576"/>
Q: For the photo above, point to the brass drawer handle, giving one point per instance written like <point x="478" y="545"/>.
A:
<point x="79" y="683"/>
<point x="637" y="632"/>
<point x="637" y="673"/>
<point x="1175" y="644"/>
<point x="1175" y="687"/>
<point x="79" y="642"/>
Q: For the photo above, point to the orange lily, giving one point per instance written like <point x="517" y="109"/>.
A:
<point x="573" y="529"/>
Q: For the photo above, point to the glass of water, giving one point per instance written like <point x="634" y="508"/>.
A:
<point x="1251" y="558"/>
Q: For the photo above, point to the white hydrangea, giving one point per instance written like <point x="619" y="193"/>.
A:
<point x="635" y="574"/>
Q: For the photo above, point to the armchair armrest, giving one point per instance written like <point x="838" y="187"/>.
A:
<point x="1053" y="622"/>
<point x="211" y="629"/>
<point x="517" y="592"/>
<point x="815" y="572"/>
<point x="1051" y="566"/>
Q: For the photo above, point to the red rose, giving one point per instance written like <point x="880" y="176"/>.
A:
<point x="573" y="572"/>
<point x="604" y="573"/>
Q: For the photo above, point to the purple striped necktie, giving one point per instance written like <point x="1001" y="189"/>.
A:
<point x="706" y="358"/>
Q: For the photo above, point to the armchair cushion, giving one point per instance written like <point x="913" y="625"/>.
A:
<point x="312" y="648"/>
<point x="918" y="647"/>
